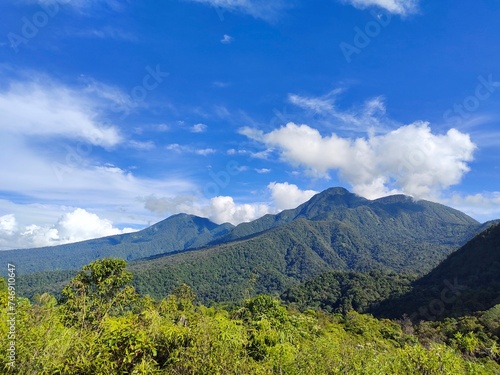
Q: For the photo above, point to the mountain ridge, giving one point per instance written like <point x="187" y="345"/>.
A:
<point x="334" y="230"/>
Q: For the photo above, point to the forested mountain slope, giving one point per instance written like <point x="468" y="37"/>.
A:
<point x="467" y="281"/>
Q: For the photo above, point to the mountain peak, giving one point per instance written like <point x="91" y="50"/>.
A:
<point x="323" y="203"/>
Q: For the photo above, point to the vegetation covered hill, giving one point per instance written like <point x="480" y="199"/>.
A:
<point x="467" y="281"/>
<point x="335" y="230"/>
<point x="102" y="326"/>
<point x="177" y="233"/>
<point x="340" y="291"/>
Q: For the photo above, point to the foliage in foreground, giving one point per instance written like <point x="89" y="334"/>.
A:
<point x="101" y="326"/>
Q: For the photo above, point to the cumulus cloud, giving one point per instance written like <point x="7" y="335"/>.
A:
<point x="8" y="224"/>
<point x="75" y="226"/>
<point x="220" y="209"/>
<point x="287" y="195"/>
<point x="224" y="209"/>
<point x="410" y="159"/>
<point x="401" y="7"/>
<point x="263" y="9"/>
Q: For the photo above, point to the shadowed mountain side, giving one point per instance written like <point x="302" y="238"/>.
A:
<point x="467" y="281"/>
<point x="178" y="232"/>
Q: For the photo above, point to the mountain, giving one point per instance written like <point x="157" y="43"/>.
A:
<point x="466" y="282"/>
<point x="335" y="230"/>
<point x="177" y="233"/>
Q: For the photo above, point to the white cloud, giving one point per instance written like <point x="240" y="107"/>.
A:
<point x="81" y="5"/>
<point x="138" y="145"/>
<point x="75" y="226"/>
<point x="263" y="9"/>
<point x="224" y="209"/>
<point x="481" y="206"/>
<point x="175" y="147"/>
<point x="221" y="209"/>
<point x="262" y="170"/>
<point x="323" y="111"/>
<point x="401" y="7"/>
<point x="287" y="195"/>
<point x="198" y="128"/>
<point x="108" y="32"/>
<point x="8" y="224"/>
<point x="205" y="151"/>
<point x="227" y="39"/>
<point x="410" y="159"/>
<point x="30" y="109"/>
<point x="314" y="104"/>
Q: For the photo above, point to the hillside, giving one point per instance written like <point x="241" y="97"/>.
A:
<point x="341" y="291"/>
<point x="335" y="230"/>
<point x="178" y="232"/>
<point x="467" y="281"/>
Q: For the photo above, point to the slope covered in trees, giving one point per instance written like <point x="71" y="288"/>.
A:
<point x="338" y="291"/>
<point x="467" y="281"/>
<point x="335" y="230"/>
<point x="102" y="326"/>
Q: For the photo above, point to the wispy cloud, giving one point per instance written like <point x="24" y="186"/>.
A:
<point x="401" y="7"/>
<point x="262" y="170"/>
<point x="107" y="32"/>
<point x="323" y="110"/>
<point x="180" y="149"/>
<point x="263" y="9"/>
<point x="52" y="109"/>
<point x="227" y="39"/>
<point x="139" y="145"/>
<point x="83" y="5"/>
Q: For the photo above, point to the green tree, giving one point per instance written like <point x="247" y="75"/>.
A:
<point x="100" y="288"/>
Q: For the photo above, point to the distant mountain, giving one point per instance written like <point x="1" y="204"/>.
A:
<point x="177" y="233"/>
<point x="335" y="230"/>
<point x="466" y="282"/>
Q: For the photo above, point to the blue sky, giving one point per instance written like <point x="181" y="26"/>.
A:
<point x="117" y="114"/>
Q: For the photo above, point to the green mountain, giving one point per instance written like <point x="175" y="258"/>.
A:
<point x="177" y="233"/>
<point x="466" y="282"/>
<point x="335" y="230"/>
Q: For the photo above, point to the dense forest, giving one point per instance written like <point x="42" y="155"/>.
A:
<point x="101" y="325"/>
